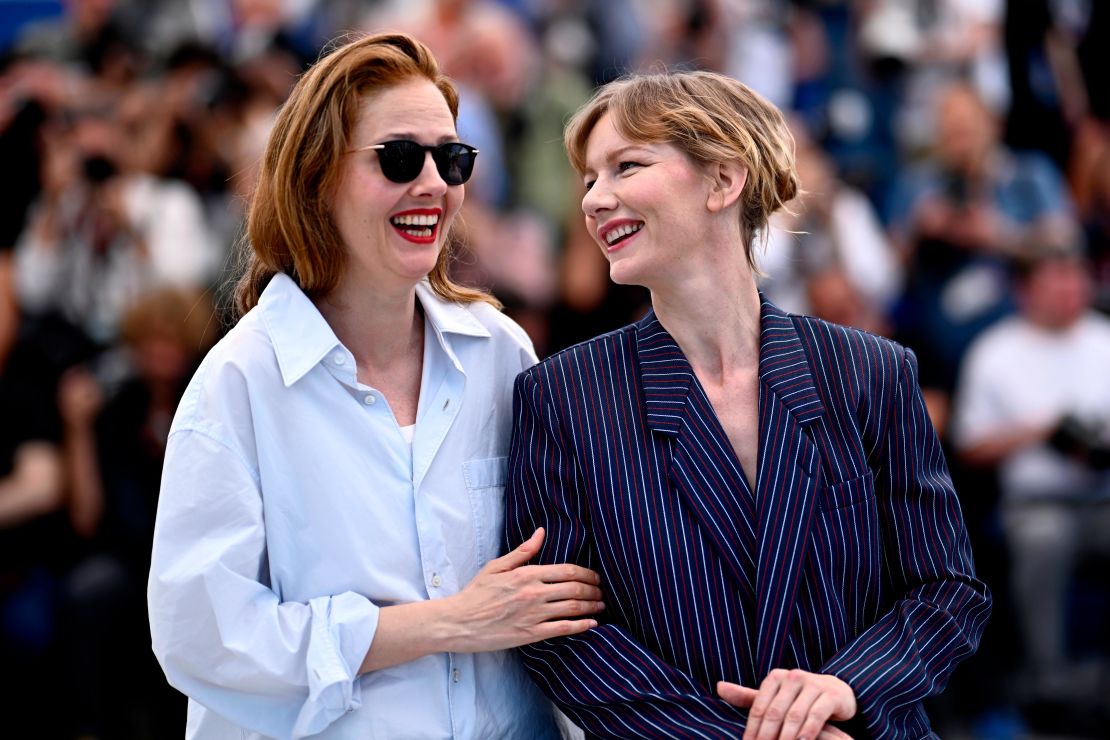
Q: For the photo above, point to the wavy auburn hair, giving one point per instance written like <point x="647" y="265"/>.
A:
<point x="289" y="227"/>
<point x="712" y="118"/>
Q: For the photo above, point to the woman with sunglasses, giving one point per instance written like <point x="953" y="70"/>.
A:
<point x="781" y="546"/>
<point x="325" y="557"/>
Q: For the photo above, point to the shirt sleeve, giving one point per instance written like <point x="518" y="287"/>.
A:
<point x="939" y="615"/>
<point x="604" y="679"/>
<point x="222" y="635"/>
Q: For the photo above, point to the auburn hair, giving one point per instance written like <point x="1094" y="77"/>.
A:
<point x="712" y="118"/>
<point x="289" y="227"/>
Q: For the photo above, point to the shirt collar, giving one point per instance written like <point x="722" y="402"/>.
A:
<point x="302" y="337"/>
<point x="447" y="317"/>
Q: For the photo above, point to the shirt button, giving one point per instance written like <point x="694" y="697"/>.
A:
<point x="338" y="358"/>
<point x="455" y="675"/>
<point x="436" y="580"/>
<point x="369" y="399"/>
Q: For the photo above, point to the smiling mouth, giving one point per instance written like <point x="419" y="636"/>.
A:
<point x="621" y="234"/>
<point x="420" y="228"/>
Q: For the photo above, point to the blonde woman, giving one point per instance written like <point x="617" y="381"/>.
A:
<point x="781" y="550"/>
<point x="325" y="556"/>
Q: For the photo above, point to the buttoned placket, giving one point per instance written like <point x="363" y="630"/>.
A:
<point x="442" y="387"/>
<point x="442" y="384"/>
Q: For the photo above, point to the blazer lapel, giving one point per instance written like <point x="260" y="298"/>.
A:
<point x="786" y="479"/>
<point x="702" y="466"/>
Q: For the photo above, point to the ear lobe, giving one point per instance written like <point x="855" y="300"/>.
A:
<point x="728" y="179"/>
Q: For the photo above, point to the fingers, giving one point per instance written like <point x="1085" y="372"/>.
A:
<point x="571" y="608"/>
<point x="571" y="599"/>
<point x="571" y="590"/>
<point x="803" y="717"/>
<point x="554" y="573"/>
<point x="735" y="694"/>
<point x="564" y="572"/>
<point x="828" y="732"/>
<point x="776" y="696"/>
<point x="560" y="628"/>
<point x="521" y="555"/>
<point x="792" y="704"/>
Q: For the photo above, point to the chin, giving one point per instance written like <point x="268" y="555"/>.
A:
<point x="623" y="273"/>
<point x="421" y="262"/>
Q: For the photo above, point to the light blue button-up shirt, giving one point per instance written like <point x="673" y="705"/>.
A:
<point x="292" y="510"/>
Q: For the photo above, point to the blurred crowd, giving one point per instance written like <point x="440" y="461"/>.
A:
<point x="955" y="160"/>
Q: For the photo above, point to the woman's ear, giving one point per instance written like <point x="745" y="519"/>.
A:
<point x="728" y="180"/>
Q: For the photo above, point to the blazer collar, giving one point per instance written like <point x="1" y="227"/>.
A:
<point x="666" y="374"/>
<point x="784" y="365"/>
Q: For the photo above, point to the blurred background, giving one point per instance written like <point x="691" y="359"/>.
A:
<point x="956" y="160"/>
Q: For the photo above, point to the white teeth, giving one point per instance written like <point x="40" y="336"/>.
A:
<point x="617" y="233"/>
<point x="413" y="220"/>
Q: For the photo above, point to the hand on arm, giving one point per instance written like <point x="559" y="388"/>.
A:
<point x="793" y="704"/>
<point x="508" y="604"/>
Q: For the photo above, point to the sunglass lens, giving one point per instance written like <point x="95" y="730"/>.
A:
<point x="401" y="161"/>
<point x="455" y="162"/>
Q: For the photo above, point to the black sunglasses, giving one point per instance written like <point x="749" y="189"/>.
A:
<point x="403" y="160"/>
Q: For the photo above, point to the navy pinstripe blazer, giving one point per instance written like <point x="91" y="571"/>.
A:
<point x="850" y="557"/>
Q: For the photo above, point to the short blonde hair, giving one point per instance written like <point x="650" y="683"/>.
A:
<point x="712" y="118"/>
<point x="289" y="226"/>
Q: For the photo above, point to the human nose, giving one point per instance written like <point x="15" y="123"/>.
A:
<point x="598" y="198"/>
<point x="429" y="181"/>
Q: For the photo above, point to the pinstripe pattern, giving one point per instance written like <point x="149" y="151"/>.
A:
<point x="850" y="557"/>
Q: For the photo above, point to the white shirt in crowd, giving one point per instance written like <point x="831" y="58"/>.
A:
<point x="1016" y="375"/>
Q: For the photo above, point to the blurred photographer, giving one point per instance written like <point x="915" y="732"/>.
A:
<point x="1034" y="401"/>
<point x="104" y="232"/>
<point x="956" y="218"/>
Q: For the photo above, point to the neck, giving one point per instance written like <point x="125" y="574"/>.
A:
<point x="1054" y="324"/>
<point x="714" y="318"/>
<point x="376" y="326"/>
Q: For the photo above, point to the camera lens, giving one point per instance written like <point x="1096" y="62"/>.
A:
<point x="98" y="169"/>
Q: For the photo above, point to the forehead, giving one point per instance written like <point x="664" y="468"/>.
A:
<point x="604" y="140"/>
<point x="413" y="109"/>
<point x="961" y="108"/>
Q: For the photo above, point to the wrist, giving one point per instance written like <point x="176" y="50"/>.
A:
<point x="444" y="631"/>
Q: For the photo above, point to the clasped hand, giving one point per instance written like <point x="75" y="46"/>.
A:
<point x="510" y="603"/>
<point x="793" y="705"/>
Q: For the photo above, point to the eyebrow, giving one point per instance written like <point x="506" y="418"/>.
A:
<point x="616" y="154"/>
<point x="412" y="136"/>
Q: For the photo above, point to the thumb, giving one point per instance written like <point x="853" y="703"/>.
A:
<point x="735" y="694"/>
<point x="522" y="554"/>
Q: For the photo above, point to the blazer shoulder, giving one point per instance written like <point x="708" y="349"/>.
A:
<point x="584" y="353"/>
<point x="835" y="348"/>
<point x="857" y="373"/>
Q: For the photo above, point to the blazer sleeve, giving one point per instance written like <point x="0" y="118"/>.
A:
<point x="604" y="679"/>
<point x="939" y="616"/>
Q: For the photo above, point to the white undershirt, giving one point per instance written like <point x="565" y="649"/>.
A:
<point x="407" y="432"/>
